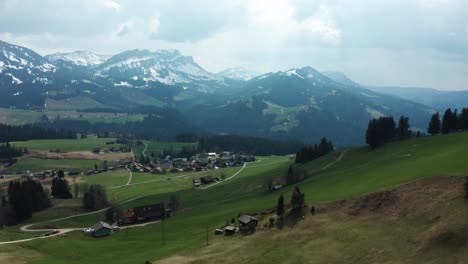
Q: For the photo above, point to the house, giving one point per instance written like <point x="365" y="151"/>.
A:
<point x="101" y="229"/>
<point x="247" y="223"/>
<point x="196" y="182"/>
<point x="207" y="179"/>
<point x="28" y="175"/>
<point x="150" y="212"/>
<point x="127" y="217"/>
<point x="229" y="230"/>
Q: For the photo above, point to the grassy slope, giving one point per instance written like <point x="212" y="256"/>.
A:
<point x="360" y="172"/>
<point x="37" y="165"/>
<point x="66" y="145"/>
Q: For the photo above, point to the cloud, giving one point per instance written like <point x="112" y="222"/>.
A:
<point x="125" y="28"/>
<point x="358" y="37"/>
<point x="111" y="4"/>
<point x="154" y="26"/>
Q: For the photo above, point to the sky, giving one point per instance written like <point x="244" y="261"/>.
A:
<point x="417" y="43"/>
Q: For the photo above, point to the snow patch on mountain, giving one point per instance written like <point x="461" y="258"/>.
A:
<point x="80" y="58"/>
<point x="238" y="73"/>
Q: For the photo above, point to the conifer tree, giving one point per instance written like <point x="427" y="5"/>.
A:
<point x="434" y="125"/>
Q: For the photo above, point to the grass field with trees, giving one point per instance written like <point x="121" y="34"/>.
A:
<point x="361" y="171"/>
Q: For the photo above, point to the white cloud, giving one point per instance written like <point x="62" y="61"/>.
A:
<point x="111" y="4"/>
<point x="154" y="26"/>
<point x="125" y="28"/>
<point x="280" y="18"/>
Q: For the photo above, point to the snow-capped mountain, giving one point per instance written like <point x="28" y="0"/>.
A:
<point x="19" y="65"/>
<point x="238" y="74"/>
<point x="79" y="58"/>
<point x="141" y="68"/>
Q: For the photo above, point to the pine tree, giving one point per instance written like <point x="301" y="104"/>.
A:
<point x="280" y="207"/>
<point x="447" y="121"/>
<point x="297" y="199"/>
<point x="434" y="125"/>
<point x="403" y="128"/>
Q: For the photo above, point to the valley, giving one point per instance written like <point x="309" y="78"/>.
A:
<point x="361" y="193"/>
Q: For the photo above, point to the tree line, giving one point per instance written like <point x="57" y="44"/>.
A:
<point x="383" y="130"/>
<point x="247" y="144"/>
<point x="8" y="151"/>
<point x="9" y="133"/>
<point x="452" y="121"/>
<point x="310" y="153"/>
<point x="24" y="198"/>
<point x="60" y="188"/>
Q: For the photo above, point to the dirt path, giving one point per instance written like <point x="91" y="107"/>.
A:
<point x="130" y="177"/>
<point x="336" y="161"/>
<point x="144" y="150"/>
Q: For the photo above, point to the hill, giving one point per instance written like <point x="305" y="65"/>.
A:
<point x="401" y="215"/>
<point x="439" y="100"/>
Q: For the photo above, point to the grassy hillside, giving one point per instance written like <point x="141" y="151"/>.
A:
<point x="365" y="238"/>
<point x="65" y="145"/>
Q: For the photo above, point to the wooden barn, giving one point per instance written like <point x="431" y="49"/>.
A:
<point x="127" y="217"/>
<point x="247" y="224"/>
<point x="207" y="179"/>
<point x="150" y="212"/>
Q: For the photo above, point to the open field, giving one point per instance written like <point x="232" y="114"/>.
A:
<point x="66" y="145"/>
<point x="433" y="234"/>
<point x="20" y="117"/>
<point x="38" y="165"/>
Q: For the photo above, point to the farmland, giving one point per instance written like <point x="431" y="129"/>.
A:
<point x="359" y="172"/>
<point x="21" y="117"/>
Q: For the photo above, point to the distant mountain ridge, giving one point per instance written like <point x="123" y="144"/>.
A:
<point x="299" y="103"/>
<point x="79" y="58"/>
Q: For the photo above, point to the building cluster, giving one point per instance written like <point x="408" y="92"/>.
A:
<point x="101" y="170"/>
<point x="117" y="149"/>
<point x="247" y="225"/>
<point x="200" y="162"/>
<point x="139" y="214"/>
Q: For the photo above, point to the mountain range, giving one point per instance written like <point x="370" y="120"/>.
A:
<point x="299" y="103"/>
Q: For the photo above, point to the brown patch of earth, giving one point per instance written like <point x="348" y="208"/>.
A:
<point x="80" y="155"/>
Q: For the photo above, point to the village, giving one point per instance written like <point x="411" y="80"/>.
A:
<point x="199" y="162"/>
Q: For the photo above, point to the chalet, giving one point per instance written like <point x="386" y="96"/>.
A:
<point x="196" y="182"/>
<point x="127" y="217"/>
<point x="247" y="223"/>
<point x="101" y="229"/>
<point x="229" y="230"/>
<point x="207" y="179"/>
<point x="150" y="212"/>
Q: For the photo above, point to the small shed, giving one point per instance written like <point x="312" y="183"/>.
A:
<point x="229" y="230"/>
<point x="196" y="182"/>
<point x="101" y="229"/>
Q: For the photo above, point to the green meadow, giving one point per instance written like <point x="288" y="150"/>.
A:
<point x="359" y="172"/>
